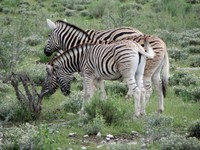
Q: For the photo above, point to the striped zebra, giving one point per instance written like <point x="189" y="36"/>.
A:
<point x="65" y="35"/>
<point x="123" y="60"/>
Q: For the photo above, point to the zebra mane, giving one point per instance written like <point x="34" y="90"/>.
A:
<point x="73" y="26"/>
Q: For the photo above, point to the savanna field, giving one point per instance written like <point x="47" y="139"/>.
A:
<point x="110" y="124"/>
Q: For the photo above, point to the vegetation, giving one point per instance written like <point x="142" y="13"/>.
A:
<point x="23" y="35"/>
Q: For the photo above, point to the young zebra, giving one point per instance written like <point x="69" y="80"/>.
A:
<point x="124" y="60"/>
<point x="65" y="35"/>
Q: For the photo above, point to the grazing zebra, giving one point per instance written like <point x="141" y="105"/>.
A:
<point x="62" y="38"/>
<point x="122" y="60"/>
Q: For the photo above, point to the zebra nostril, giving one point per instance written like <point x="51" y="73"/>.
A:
<point x="47" y="53"/>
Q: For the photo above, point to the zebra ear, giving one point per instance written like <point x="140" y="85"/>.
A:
<point x="51" y="24"/>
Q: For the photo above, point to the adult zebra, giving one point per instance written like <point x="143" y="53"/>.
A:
<point x="97" y="62"/>
<point x="65" y="35"/>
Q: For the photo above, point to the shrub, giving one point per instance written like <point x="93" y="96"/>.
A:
<point x="188" y="93"/>
<point x="194" y="129"/>
<point x="97" y="8"/>
<point x="19" y="137"/>
<point x="178" y="142"/>
<point x="36" y="72"/>
<point x="118" y="88"/>
<point x="193" y="49"/>
<point x="112" y="114"/>
<point x="195" y="61"/>
<point x="157" y="126"/>
<point x="32" y="40"/>
<point x="183" y="78"/>
<point x="95" y="126"/>
<point x="177" y="54"/>
<point x="27" y="136"/>
<point x="74" y="103"/>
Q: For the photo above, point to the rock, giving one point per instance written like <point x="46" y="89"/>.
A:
<point x="86" y="136"/>
<point x="107" y="139"/>
<point x="134" y="133"/>
<point x="83" y="148"/>
<point x="109" y="136"/>
<point x="98" y="135"/>
<point x="72" y="134"/>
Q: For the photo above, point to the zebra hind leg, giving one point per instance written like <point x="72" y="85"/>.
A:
<point x="158" y="85"/>
<point x="134" y="91"/>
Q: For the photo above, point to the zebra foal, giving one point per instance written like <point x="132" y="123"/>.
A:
<point x="124" y="60"/>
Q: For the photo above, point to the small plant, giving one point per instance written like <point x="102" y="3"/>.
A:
<point x="43" y="139"/>
<point x="178" y="142"/>
<point x="112" y="114"/>
<point x="95" y="126"/>
<point x="195" y="61"/>
<point x="21" y="137"/>
<point x="157" y="126"/>
<point x="194" y="129"/>
<point x="74" y="103"/>
<point x="177" y="54"/>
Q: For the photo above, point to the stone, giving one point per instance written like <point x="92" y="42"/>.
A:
<point x="72" y="134"/>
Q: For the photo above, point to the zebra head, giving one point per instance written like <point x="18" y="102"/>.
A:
<point x="64" y="36"/>
<point x="64" y="80"/>
<point x="50" y="83"/>
<point x="52" y="43"/>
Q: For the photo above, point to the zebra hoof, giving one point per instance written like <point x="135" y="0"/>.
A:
<point x="160" y="111"/>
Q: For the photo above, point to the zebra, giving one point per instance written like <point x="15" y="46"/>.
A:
<point x="121" y="60"/>
<point x="60" y="39"/>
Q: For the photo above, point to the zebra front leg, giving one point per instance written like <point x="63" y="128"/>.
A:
<point x="88" y="88"/>
<point x="100" y="84"/>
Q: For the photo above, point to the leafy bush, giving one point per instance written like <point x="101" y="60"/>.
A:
<point x="195" y="61"/>
<point x="193" y="49"/>
<point x="157" y="126"/>
<point x="183" y="78"/>
<point x="118" y="88"/>
<point x="19" y="137"/>
<point x="95" y="126"/>
<point x="74" y="102"/>
<point x="32" y="40"/>
<point x="194" y="129"/>
<point x="27" y="136"/>
<point x="188" y="93"/>
<point x="97" y="8"/>
<point x="36" y="72"/>
<point x="112" y="114"/>
<point x="177" y="54"/>
<point x="178" y="142"/>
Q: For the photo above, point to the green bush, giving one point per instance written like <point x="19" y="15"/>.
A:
<point x="193" y="49"/>
<point x="97" y="8"/>
<point x="74" y="102"/>
<point x="183" y="78"/>
<point x="95" y="126"/>
<point x="112" y="114"/>
<point x="194" y="129"/>
<point x="27" y="136"/>
<point x="178" y="142"/>
<point x="189" y="93"/>
<point x="157" y="126"/>
<point x="177" y="54"/>
<point x="195" y="61"/>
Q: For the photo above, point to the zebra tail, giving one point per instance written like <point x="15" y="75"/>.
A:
<point x="150" y="52"/>
<point x="165" y="74"/>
